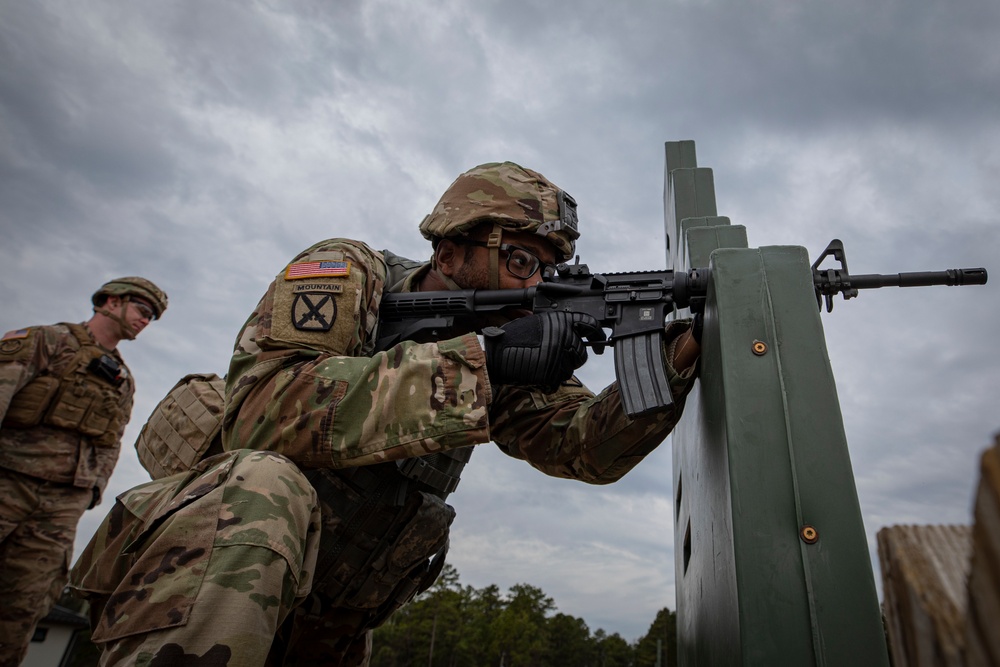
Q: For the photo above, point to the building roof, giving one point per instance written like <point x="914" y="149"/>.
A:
<point x="63" y="616"/>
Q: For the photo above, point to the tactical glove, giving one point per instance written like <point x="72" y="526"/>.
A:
<point x="542" y="349"/>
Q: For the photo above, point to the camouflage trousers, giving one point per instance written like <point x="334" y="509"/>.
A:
<point x="215" y="567"/>
<point x="38" y="522"/>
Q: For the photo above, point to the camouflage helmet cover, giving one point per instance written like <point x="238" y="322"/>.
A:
<point x="515" y="198"/>
<point x="134" y="286"/>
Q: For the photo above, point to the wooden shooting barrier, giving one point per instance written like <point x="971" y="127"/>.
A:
<point x="772" y="565"/>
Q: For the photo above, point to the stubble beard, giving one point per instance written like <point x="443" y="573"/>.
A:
<point x="472" y="276"/>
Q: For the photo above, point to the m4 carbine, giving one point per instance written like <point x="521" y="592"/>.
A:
<point x="633" y="306"/>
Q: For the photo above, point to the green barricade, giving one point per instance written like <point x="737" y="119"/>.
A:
<point x="772" y="565"/>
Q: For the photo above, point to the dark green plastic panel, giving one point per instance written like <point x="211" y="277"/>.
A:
<point x="703" y="235"/>
<point x="759" y="456"/>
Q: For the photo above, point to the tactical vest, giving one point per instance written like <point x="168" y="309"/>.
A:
<point x="85" y="397"/>
<point x="385" y="532"/>
<point x="185" y="427"/>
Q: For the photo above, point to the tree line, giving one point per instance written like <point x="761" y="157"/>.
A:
<point x="451" y="625"/>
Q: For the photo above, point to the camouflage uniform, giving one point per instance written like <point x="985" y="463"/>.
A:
<point x="59" y="441"/>
<point x="364" y="448"/>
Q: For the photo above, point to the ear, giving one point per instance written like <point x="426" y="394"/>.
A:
<point x="448" y="256"/>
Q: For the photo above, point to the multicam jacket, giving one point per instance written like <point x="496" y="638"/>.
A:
<point x="303" y="383"/>
<point x="383" y="436"/>
<point x="61" y="421"/>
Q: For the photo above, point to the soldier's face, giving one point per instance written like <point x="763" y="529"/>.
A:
<point x="472" y="268"/>
<point x="135" y="313"/>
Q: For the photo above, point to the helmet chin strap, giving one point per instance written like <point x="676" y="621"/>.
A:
<point x="449" y="283"/>
<point x="493" y="243"/>
<point x="125" y="332"/>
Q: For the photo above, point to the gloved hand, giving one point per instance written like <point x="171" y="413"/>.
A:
<point x="95" y="498"/>
<point x="542" y="349"/>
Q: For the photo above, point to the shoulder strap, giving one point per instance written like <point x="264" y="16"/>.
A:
<point x="81" y="333"/>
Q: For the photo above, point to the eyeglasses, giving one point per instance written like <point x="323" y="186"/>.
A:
<point x="521" y="263"/>
<point x="145" y="310"/>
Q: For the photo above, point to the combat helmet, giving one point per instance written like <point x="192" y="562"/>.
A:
<point x="512" y="198"/>
<point x="134" y="286"/>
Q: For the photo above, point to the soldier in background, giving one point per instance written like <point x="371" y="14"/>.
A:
<point x="65" y="397"/>
<point x="327" y="510"/>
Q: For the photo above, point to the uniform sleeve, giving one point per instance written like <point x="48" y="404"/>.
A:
<point x="24" y="354"/>
<point x="304" y="382"/>
<point x="325" y="410"/>
<point x="574" y="434"/>
<point x="13" y="376"/>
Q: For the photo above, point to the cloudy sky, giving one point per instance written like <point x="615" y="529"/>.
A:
<point x="203" y="144"/>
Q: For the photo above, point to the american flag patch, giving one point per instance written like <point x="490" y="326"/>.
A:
<point x="317" y="270"/>
<point x="14" y="335"/>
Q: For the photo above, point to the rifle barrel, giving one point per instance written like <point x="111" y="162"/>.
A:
<point x="951" y="277"/>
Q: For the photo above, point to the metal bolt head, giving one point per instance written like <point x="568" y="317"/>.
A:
<point x="759" y="348"/>
<point x="809" y="534"/>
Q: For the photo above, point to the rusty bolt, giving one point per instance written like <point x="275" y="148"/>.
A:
<point x="759" y="348"/>
<point x="809" y="534"/>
